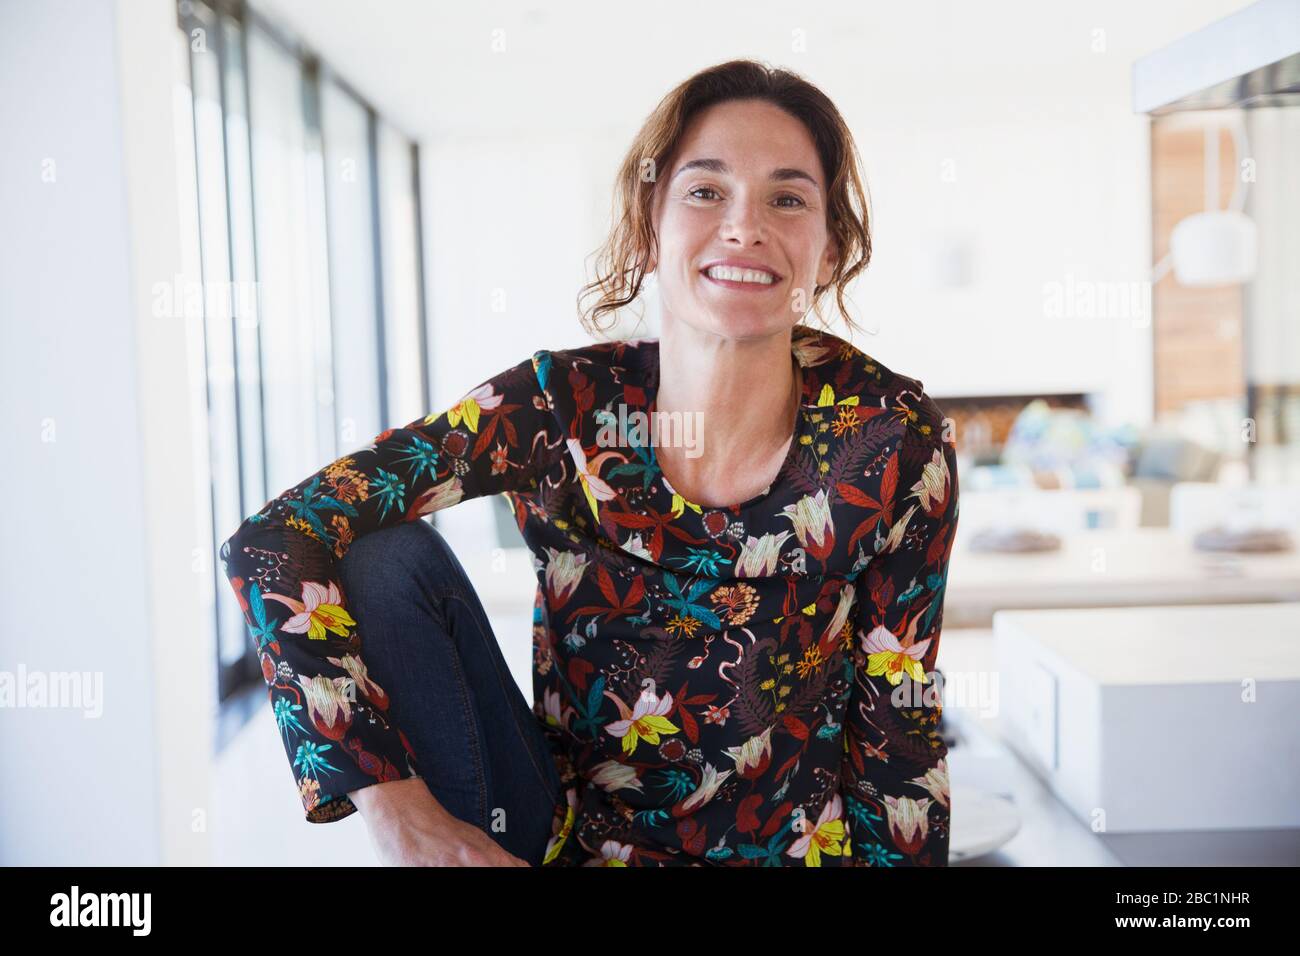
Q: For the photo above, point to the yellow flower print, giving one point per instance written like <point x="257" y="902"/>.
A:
<point x="557" y="840"/>
<point x="680" y="505"/>
<point x="612" y="853"/>
<point x="645" y="721"/>
<point x="593" y="486"/>
<point x="469" y="408"/>
<point x="318" y="611"/>
<point x="886" y="655"/>
<point x="827" y="398"/>
<point x="826" y="837"/>
<point x="467" y="411"/>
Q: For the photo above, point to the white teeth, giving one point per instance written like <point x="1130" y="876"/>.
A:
<point x="740" y="275"/>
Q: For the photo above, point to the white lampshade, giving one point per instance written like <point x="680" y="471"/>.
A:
<point x="1214" y="248"/>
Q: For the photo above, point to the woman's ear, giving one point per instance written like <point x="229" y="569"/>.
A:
<point x="652" y="258"/>
<point x="826" y="268"/>
<point x="652" y="255"/>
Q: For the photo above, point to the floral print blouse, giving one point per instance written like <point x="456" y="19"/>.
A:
<point x="742" y="686"/>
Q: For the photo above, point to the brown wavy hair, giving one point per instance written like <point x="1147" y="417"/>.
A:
<point x="626" y="253"/>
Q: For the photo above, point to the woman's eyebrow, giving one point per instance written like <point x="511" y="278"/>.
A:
<point x="780" y="174"/>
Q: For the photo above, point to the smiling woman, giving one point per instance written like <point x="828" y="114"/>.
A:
<point x="628" y="254"/>
<point x="724" y="660"/>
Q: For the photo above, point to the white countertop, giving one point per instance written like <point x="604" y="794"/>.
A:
<point x="1113" y="568"/>
<point x="1169" y="645"/>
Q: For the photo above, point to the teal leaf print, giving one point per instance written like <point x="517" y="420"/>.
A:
<point x="263" y="629"/>
<point x="685" y="603"/>
<point x="771" y="853"/>
<point x="421" y="457"/>
<point x="589" y="716"/>
<point x="644" y="464"/>
<point x="390" y="490"/>
<point x="542" y="364"/>
<point x="308" y="507"/>
<point x="703" y="561"/>
<point x="310" y="758"/>
<point x="286" y="717"/>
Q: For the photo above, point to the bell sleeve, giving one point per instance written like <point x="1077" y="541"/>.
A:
<point x="333" y="719"/>
<point x="894" y="777"/>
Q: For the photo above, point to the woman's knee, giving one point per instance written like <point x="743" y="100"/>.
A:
<point x="412" y="554"/>
<point x="395" y="598"/>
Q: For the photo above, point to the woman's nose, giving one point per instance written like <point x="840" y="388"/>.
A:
<point x="744" y="220"/>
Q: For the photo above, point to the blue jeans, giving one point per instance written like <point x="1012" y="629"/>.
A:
<point x="426" y="640"/>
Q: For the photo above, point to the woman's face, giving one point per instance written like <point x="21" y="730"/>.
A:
<point x="745" y="185"/>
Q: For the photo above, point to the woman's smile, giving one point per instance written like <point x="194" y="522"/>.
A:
<point x="741" y="280"/>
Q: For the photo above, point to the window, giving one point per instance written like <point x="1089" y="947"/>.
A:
<point x="350" y="210"/>
<point x="306" y="214"/>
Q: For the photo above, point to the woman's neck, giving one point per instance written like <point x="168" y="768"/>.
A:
<point x="747" y="394"/>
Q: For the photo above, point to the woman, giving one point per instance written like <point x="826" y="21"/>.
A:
<point x="735" y="628"/>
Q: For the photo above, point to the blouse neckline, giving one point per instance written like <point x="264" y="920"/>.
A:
<point x="663" y="489"/>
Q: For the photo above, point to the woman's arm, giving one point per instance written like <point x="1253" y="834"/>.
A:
<point x="333" y="718"/>
<point x="895" y="777"/>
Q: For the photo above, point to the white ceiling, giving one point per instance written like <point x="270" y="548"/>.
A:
<point x="432" y="68"/>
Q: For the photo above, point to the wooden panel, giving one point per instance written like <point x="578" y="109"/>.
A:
<point x="983" y="423"/>
<point x="1197" y="346"/>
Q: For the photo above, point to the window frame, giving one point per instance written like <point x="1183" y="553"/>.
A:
<point x="236" y="676"/>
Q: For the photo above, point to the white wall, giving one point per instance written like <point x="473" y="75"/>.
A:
<point x="1048" y="186"/>
<point x="99" y="479"/>
<point x="497" y="212"/>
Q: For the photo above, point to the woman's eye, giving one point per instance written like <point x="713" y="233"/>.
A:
<point x="796" y="201"/>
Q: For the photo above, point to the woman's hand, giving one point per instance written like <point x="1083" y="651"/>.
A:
<point x="409" y="827"/>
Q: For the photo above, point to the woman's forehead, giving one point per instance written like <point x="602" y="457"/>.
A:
<point x="746" y="137"/>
